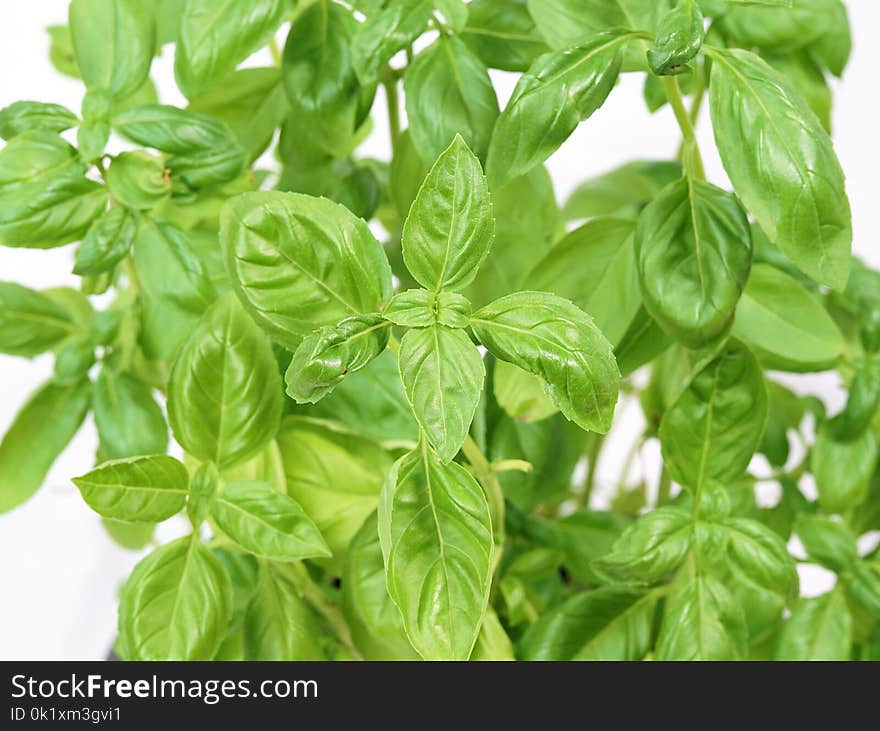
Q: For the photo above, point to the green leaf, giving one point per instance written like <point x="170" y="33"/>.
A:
<point x="803" y="72"/>
<point x="61" y="53"/>
<point x="37" y="436"/>
<point x="213" y="38"/>
<point x="130" y="422"/>
<point x="604" y="624"/>
<point x="279" y="625"/>
<point x="335" y="475"/>
<point x="560" y="90"/>
<point x="176" y="605"/>
<point x="386" y="32"/>
<point x="651" y="548"/>
<point x="566" y="22"/>
<point x="22" y="116"/>
<point x="140" y="489"/>
<point x="251" y="102"/>
<point x="449" y="71"/>
<point x="30" y="322"/>
<point x="375" y="622"/>
<point x="299" y="263"/>
<point x="319" y="71"/>
<point x="827" y="542"/>
<point x="833" y="48"/>
<point x="643" y="341"/>
<point x="862" y="582"/>
<point x="782" y="164"/>
<point x="493" y="643"/>
<point x="442" y="373"/>
<point x="107" y="242"/>
<point x="175" y="286"/>
<point x="450" y="227"/>
<point x="594" y="266"/>
<point x="372" y="402"/>
<point x="862" y="401"/>
<point x="623" y="191"/>
<point x="820" y="628"/>
<point x="45" y="198"/>
<point x="702" y="621"/>
<point x="715" y="426"/>
<point x="113" y="41"/>
<point x="551" y="338"/>
<point x="784" y="324"/>
<point x="203" y="149"/>
<point x="436" y="538"/>
<point x="266" y="523"/>
<point x="203" y="487"/>
<point x="503" y="34"/>
<point x="73" y="361"/>
<point x="326" y="356"/>
<point x="758" y="555"/>
<point x="679" y="38"/>
<point x="841" y="489"/>
<point x="133" y="536"/>
<point x="224" y="393"/>
<point x="138" y="180"/>
<point x="694" y="250"/>
<point x="521" y="394"/>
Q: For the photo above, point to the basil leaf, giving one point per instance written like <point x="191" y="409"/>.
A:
<point x="503" y="34"/>
<point x="694" y="250"/>
<point x="141" y="489"/>
<point x="133" y="536"/>
<point x="450" y="71"/>
<point x="372" y="403"/>
<point x="412" y="308"/>
<point x="827" y="542"/>
<point x="442" y="373"/>
<point x="833" y="48"/>
<point x="715" y="426"/>
<point x="521" y="394"/>
<point x="107" y="242"/>
<point x="213" y="38"/>
<point x="30" y="322"/>
<point x="594" y="266"/>
<point x="22" y="116"/>
<point x="138" y="180"/>
<point x="129" y="421"/>
<point x="335" y="475"/>
<point x="679" y="38"/>
<point x="224" y="394"/>
<point x="299" y="263"/>
<point x="375" y="622"/>
<point x="175" y="287"/>
<point x="251" y="102"/>
<point x="820" y="628"/>
<point x="758" y="555"/>
<point x="840" y="489"/>
<point x="803" y="72"/>
<point x="38" y="435"/>
<point x="203" y="487"/>
<point x="204" y="150"/>
<point x="266" y="522"/>
<point x="436" y="538"/>
<point x="493" y="643"/>
<point x="278" y="624"/>
<point x="551" y="338"/>
<point x="319" y="73"/>
<point x="565" y="22"/>
<point x="45" y="198"/>
<point x="651" y="548"/>
<point x="176" y="604"/>
<point x="801" y="205"/>
<point x="862" y="583"/>
<point x="623" y="191"/>
<point x="861" y="403"/>
<point x="450" y="227"/>
<point x="702" y="621"/>
<point x="784" y="324"/>
<point x="326" y="356"/>
<point x="560" y="90"/>
<point x="113" y="41"/>
<point x="604" y="624"/>
<point x="386" y="32"/>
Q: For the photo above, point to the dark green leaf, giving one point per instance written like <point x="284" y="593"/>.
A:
<point x="386" y="32"/>
<point x="503" y="34"/>
<point x="679" y="38"/>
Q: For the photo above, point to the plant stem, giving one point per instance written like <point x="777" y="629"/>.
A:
<point x="693" y="160"/>
<point x="390" y="84"/>
<point x="664" y="487"/>
<point x="315" y="595"/>
<point x="275" y="51"/>
<point x="594" y="446"/>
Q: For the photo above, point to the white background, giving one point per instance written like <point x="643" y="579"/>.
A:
<point x="59" y="572"/>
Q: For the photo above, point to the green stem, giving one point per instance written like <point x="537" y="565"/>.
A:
<point x="315" y="595"/>
<point x="664" y="488"/>
<point x="275" y="51"/>
<point x="592" y="453"/>
<point x="393" y="100"/>
<point x="692" y="158"/>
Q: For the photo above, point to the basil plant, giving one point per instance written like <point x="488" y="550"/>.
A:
<point x="391" y="379"/>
